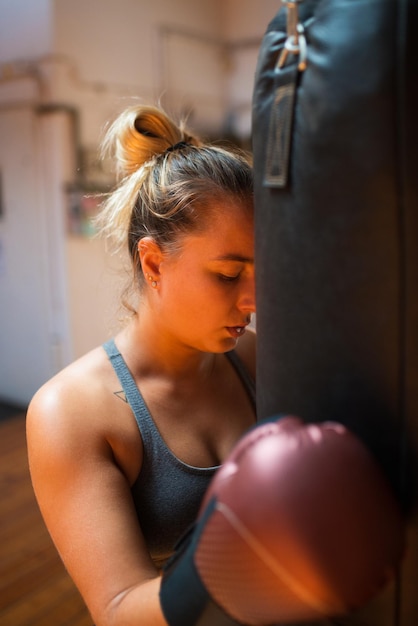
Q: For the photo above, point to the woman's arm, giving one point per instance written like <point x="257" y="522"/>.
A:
<point x="85" y="499"/>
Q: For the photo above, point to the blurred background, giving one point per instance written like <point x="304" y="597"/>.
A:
<point x="67" y="68"/>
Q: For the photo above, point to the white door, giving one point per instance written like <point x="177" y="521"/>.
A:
<point x="34" y="336"/>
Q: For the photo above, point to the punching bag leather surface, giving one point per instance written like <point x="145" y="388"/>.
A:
<point x="335" y="142"/>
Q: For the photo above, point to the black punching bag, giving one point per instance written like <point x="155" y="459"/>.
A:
<point x="335" y="142"/>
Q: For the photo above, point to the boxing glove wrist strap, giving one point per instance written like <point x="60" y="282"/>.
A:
<point x="183" y="596"/>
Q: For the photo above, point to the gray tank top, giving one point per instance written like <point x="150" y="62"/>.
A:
<point x="167" y="493"/>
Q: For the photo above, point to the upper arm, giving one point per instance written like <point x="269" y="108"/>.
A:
<point x="86" y="502"/>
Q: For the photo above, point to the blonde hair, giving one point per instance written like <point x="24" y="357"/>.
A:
<point x="168" y="180"/>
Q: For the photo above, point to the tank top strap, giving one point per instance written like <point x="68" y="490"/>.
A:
<point x="244" y="374"/>
<point x="132" y="393"/>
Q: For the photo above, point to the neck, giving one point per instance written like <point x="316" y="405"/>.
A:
<point x="151" y="353"/>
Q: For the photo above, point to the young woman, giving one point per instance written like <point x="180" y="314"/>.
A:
<point x="124" y="442"/>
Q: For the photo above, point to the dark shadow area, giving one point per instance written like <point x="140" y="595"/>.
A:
<point x="8" y="410"/>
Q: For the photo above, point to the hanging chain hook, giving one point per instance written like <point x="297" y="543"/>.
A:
<point x="296" y="41"/>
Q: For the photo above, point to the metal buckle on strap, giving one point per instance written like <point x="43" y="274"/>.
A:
<point x="296" y="41"/>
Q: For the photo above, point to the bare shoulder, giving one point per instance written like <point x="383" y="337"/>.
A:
<point x="81" y="413"/>
<point x="80" y="389"/>
<point x="78" y="413"/>
<point x="246" y="349"/>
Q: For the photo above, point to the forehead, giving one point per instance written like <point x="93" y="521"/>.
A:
<point x="228" y="234"/>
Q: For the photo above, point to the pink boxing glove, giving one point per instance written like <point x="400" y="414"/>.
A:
<point x="298" y="524"/>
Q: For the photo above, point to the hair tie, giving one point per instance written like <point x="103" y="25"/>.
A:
<point x="177" y="146"/>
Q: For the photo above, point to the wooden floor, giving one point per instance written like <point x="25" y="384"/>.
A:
<point x="35" y="589"/>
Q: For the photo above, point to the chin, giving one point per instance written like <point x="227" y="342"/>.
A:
<point x="227" y="345"/>
<point x="219" y="345"/>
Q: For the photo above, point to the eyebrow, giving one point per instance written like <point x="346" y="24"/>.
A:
<point x="235" y="257"/>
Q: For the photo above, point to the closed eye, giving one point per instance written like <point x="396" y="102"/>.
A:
<point x="228" y="279"/>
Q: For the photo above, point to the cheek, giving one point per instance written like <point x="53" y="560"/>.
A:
<point x="195" y="296"/>
<point x="200" y="303"/>
<point x="183" y="299"/>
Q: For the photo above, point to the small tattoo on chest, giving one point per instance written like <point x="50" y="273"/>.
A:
<point x="121" y="395"/>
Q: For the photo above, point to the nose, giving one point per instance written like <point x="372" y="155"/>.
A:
<point x="247" y="295"/>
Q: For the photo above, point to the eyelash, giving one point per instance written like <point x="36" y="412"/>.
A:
<point x="228" y="279"/>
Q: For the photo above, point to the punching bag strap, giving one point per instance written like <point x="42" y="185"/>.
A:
<point x="295" y="42"/>
<point x="281" y="114"/>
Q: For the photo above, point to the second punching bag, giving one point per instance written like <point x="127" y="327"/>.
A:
<point x="335" y="142"/>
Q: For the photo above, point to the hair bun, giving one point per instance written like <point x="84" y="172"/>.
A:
<point x="140" y="133"/>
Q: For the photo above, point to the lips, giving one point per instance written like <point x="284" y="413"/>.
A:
<point x="236" y="331"/>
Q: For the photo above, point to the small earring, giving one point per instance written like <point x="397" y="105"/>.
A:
<point x="153" y="282"/>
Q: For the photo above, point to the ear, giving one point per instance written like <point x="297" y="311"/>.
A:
<point x="151" y="256"/>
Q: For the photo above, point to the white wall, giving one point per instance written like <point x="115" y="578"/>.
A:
<point x="244" y="23"/>
<point x="171" y="51"/>
<point x="34" y="313"/>
<point x="245" y="19"/>
<point x="96" y="280"/>
<point x="98" y="56"/>
<point x="164" y="50"/>
<point x="25" y="29"/>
